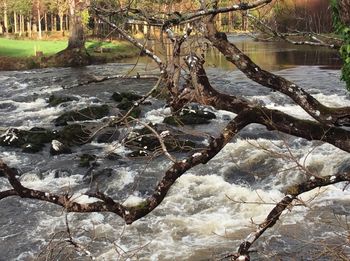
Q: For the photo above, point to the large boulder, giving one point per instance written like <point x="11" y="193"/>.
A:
<point x="87" y="160"/>
<point x="143" y="141"/>
<point x="130" y="96"/>
<point x="98" y="176"/>
<point x="55" y="100"/>
<point x="190" y="116"/>
<point x="107" y="135"/>
<point x="126" y="105"/>
<point x="32" y="147"/>
<point x="13" y="138"/>
<point x="75" y="134"/>
<point x="126" y="101"/>
<point x="89" y="113"/>
<point x="30" y="141"/>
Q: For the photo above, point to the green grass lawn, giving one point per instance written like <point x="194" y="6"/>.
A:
<point x="27" y="48"/>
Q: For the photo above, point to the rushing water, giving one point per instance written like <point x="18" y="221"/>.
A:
<point x="202" y="217"/>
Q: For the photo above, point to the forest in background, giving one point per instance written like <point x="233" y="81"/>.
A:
<point x="51" y="18"/>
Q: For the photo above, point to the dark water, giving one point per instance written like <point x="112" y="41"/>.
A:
<point x="269" y="55"/>
<point x="201" y="218"/>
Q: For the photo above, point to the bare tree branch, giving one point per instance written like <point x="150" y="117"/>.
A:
<point x="292" y="193"/>
<point x="285" y="36"/>
<point x="326" y="115"/>
<point x="205" y="94"/>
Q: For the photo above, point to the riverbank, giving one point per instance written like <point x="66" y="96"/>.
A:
<point x="31" y="54"/>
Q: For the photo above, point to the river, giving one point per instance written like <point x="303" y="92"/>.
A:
<point x="203" y="216"/>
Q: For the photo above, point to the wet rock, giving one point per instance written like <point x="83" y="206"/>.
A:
<point x="30" y="141"/>
<point x="89" y="113"/>
<point x="61" y="173"/>
<point x="55" y="100"/>
<point x="32" y="147"/>
<point x="130" y="96"/>
<point x="58" y="148"/>
<point x="135" y="113"/>
<point x="7" y="106"/>
<point x="126" y="105"/>
<point x="40" y="135"/>
<point x="75" y="134"/>
<point x="108" y="135"/>
<point x="87" y="160"/>
<point x="98" y="176"/>
<point x="138" y="153"/>
<point x="190" y="116"/>
<point x="113" y="156"/>
<point x="143" y="141"/>
<point x="238" y="176"/>
<point x="13" y="138"/>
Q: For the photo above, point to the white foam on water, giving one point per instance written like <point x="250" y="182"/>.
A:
<point x="115" y="147"/>
<point x="326" y="195"/>
<point x="33" y="113"/>
<point x="196" y="209"/>
<point x="333" y="100"/>
<point x="84" y="199"/>
<point x="157" y="115"/>
<point x="222" y="114"/>
<point x="323" y="158"/>
<point x="50" y="183"/>
<point x="132" y="200"/>
<point x="293" y="110"/>
<point x="11" y="158"/>
<point x="125" y="176"/>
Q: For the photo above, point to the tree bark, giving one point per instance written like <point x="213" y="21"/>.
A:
<point x="66" y="25"/>
<point x="15" y="21"/>
<point x="321" y="113"/>
<point x="76" y="37"/>
<point x="60" y="17"/>
<point x="29" y="26"/>
<point x="21" y="23"/>
<point x="53" y="22"/>
<point x="45" y="22"/>
<point x="5" y="18"/>
<point x="39" y="22"/>
<point x="344" y="11"/>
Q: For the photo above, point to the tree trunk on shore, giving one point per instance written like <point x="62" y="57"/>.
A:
<point x="60" y="17"/>
<point x="45" y="22"/>
<point x="5" y="18"/>
<point x="53" y="22"/>
<point x="67" y="23"/>
<point x="21" y="24"/>
<point x="75" y="54"/>
<point x="39" y="23"/>
<point x="76" y="37"/>
<point x="29" y="26"/>
<point x="15" y="21"/>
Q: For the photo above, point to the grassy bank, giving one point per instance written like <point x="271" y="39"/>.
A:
<point x="21" y="54"/>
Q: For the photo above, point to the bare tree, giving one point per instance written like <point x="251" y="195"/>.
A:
<point x="329" y="124"/>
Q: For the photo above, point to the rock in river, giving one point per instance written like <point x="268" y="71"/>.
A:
<point x="58" y="147"/>
<point x="190" y="116"/>
<point x="88" y="113"/>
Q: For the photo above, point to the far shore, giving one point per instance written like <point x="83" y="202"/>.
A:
<point x="24" y="54"/>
